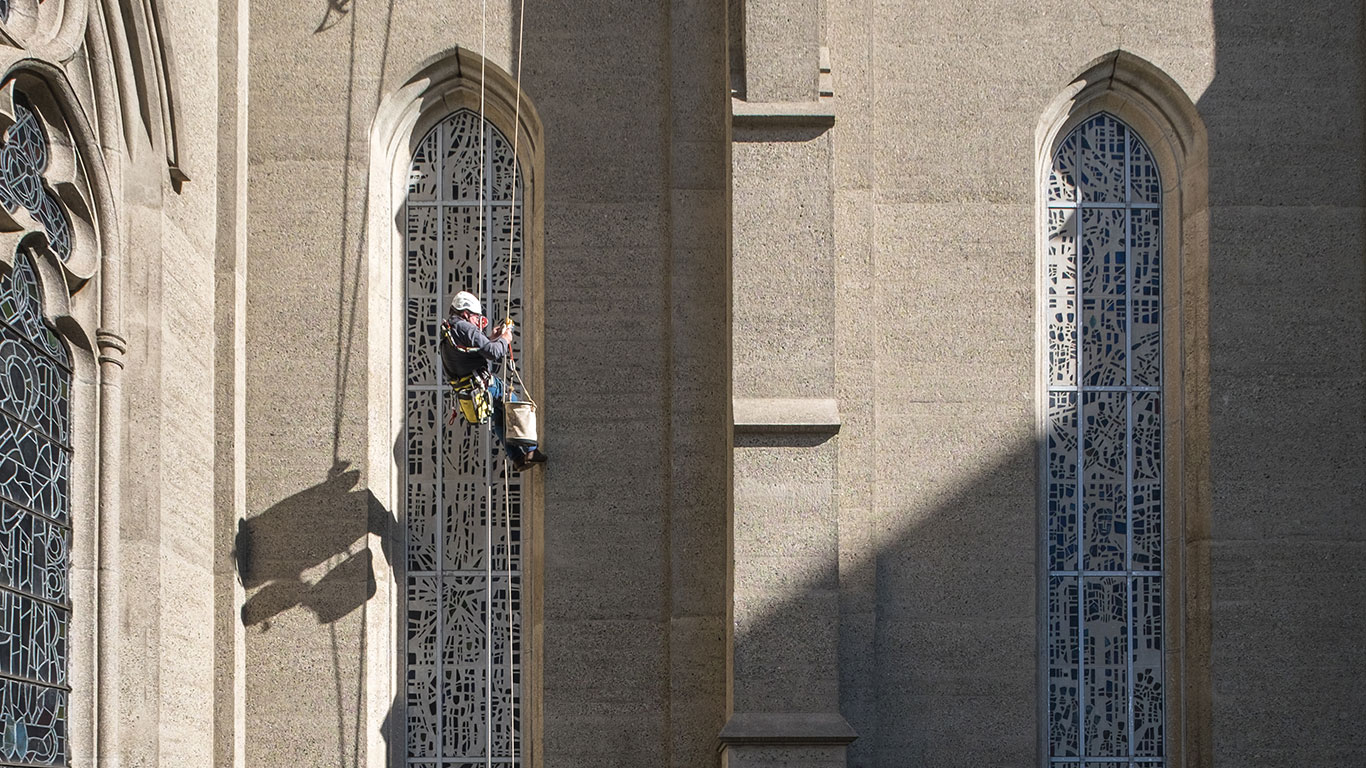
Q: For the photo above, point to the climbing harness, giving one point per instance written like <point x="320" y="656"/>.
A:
<point x="471" y="392"/>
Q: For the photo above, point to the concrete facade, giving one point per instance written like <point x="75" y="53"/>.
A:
<point x="786" y="260"/>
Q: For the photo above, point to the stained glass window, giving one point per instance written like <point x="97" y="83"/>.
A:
<point x="463" y="656"/>
<point x="23" y="158"/>
<point x="35" y="529"/>
<point x="1103" y="451"/>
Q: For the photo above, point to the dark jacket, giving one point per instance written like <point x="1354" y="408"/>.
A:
<point x="465" y="350"/>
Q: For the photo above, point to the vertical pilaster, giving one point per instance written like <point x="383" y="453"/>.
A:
<point x="784" y="639"/>
<point x="782" y="49"/>
<point x="230" y="284"/>
<point x="699" y="375"/>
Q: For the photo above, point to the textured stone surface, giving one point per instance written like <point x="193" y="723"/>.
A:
<point x="883" y="265"/>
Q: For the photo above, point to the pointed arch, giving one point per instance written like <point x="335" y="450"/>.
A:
<point x="429" y="113"/>
<point x="59" y="254"/>
<point x="1142" y="101"/>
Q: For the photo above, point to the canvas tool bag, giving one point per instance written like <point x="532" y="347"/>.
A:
<point x="519" y="420"/>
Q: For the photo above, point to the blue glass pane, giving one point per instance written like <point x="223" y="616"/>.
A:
<point x="1105" y="661"/>
<point x="1062" y="252"/>
<point x="32" y="723"/>
<point x="1064" y="692"/>
<point x="1145" y="184"/>
<point x="1145" y="331"/>
<point x="1147" y="664"/>
<point x="32" y="639"/>
<point x="1062" y="179"/>
<point x="1103" y="252"/>
<point x="33" y="554"/>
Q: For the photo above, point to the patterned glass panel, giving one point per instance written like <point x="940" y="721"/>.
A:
<point x="23" y="158"/>
<point x="1062" y="340"/>
<point x="35" y="533"/>
<point x="1144" y="186"/>
<point x="1104" y="664"/>
<point x="1062" y="180"/>
<point x="1100" y="159"/>
<point x="1064" y="692"/>
<point x="1103" y="451"/>
<point x="463" y="515"/>
<point x="1146" y="622"/>
<point x="1062" y="481"/>
<point x="1062" y="252"/>
<point x="1145" y="337"/>
<point x="1103" y="491"/>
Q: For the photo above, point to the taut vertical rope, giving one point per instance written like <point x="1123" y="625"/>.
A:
<point x="507" y="501"/>
<point x="483" y="217"/>
<point x="479" y="282"/>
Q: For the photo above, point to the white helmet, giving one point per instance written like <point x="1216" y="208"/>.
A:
<point x="466" y="300"/>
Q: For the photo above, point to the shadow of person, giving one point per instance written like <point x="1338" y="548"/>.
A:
<point x="311" y="550"/>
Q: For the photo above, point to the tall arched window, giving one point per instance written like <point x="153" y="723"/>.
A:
<point x="35" y="471"/>
<point x="464" y="515"/>
<point x="1104" y="644"/>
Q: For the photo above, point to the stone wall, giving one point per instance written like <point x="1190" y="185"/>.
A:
<point x="636" y="246"/>
<point x="927" y="318"/>
<point x="875" y="325"/>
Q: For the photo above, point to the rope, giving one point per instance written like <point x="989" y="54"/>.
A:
<point x="512" y="208"/>
<point x="509" y="360"/>
<point x="479" y="227"/>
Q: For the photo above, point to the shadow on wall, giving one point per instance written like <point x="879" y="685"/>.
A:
<point x="333" y="12"/>
<point x="938" y="614"/>
<point x="1284" y="115"/>
<point x="310" y="550"/>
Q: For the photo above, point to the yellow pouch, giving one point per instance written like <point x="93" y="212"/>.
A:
<point x="475" y="404"/>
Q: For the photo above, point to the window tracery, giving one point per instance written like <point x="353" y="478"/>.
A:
<point x="23" y="158"/>
<point x="1105" y="642"/>
<point x="460" y="704"/>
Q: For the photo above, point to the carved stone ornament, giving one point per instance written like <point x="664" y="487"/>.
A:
<point x="46" y="29"/>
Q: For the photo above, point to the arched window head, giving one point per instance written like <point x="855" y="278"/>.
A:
<point x="47" y="243"/>
<point x="462" y="221"/>
<point x="1105" y="631"/>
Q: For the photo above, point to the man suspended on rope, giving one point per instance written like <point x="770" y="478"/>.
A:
<point x="468" y="357"/>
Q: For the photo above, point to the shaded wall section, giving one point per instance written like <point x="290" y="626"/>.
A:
<point x="937" y="108"/>
<point x="1288" y="458"/>
<point x="633" y="100"/>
